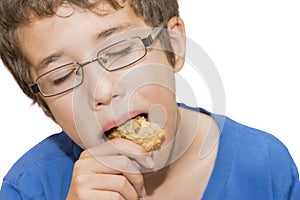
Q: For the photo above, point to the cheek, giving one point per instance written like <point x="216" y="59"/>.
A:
<point x="156" y="94"/>
<point x="161" y="106"/>
<point x="60" y="106"/>
<point x="62" y="110"/>
<point x="151" y="83"/>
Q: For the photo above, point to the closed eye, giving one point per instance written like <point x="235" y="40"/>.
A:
<point x="64" y="78"/>
<point x="121" y="52"/>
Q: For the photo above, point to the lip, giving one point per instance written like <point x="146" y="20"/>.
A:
<point x="121" y="120"/>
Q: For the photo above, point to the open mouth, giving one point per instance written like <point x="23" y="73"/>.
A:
<point x="140" y="131"/>
<point x="142" y="115"/>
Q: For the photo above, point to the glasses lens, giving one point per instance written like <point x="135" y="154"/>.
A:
<point x="61" y="79"/>
<point x="121" y="54"/>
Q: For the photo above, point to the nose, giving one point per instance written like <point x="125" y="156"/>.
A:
<point x="103" y="89"/>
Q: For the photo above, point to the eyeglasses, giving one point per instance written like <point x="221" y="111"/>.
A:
<point x="114" y="57"/>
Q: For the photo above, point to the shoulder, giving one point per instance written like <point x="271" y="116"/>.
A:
<point x="245" y="140"/>
<point x="41" y="165"/>
<point x="250" y="163"/>
<point x="259" y="142"/>
<point x="55" y="147"/>
<point x="260" y="160"/>
<point x="255" y="144"/>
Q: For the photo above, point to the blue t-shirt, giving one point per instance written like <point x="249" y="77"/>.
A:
<point x="250" y="164"/>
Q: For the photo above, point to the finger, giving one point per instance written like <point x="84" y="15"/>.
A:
<point x="99" y="194"/>
<point x="124" y="165"/>
<point x="119" y="146"/>
<point x="114" y="183"/>
<point x="112" y="165"/>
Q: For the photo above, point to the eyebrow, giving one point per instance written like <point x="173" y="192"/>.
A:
<point x="102" y="35"/>
<point x="47" y="60"/>
<point x="110" y="31"/>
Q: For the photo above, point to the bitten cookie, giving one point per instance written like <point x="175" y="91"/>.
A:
<point x="138" y="130"/>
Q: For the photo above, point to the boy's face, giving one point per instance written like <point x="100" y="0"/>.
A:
<point x="105" y="99"/>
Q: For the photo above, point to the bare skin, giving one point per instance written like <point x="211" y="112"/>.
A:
<point x="99" y="173"/>
<point x="188" y="176"/>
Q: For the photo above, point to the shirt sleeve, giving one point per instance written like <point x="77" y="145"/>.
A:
<point x="285" y="176"/>
<point x="295" y="191"/>
<point x="9" y="192"/>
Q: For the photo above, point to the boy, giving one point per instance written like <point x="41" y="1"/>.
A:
<point x="92" y="66"/>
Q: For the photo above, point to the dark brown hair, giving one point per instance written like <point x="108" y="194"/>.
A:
<point x="15" y="13"/>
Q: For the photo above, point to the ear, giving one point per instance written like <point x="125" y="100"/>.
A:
<point x="178" y="40"/>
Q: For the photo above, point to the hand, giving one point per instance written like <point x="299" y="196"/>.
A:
<point x="107" y="171"/>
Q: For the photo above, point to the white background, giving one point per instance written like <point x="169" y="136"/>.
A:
<point x="255" y="46"/>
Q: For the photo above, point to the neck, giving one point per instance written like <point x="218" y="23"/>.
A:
<point x="180" y="150"/>
<point x="184" y="161"/>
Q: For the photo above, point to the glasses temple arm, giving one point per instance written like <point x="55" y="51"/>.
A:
<point x="155" y="34"/>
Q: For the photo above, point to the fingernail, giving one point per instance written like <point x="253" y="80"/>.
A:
<point x="150" y="162"/>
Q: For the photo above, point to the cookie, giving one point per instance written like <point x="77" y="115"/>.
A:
<point x="140" y="131"/>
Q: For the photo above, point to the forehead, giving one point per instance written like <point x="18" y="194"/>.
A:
<point x="73" y="35"/>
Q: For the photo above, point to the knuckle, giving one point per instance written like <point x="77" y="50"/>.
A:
<point x="124" y="159"/>
<point x="117" y="196"/>
<point x="84" y="154"/>
<point x="80" y="180"/>
<point x="116" y="142"/>
<point x="122" y="182"/>
<point x="78" y="165"/>
<point x="126" y="145"/>
<point x="126" y="163"/>
<point x="82" y="195"/>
